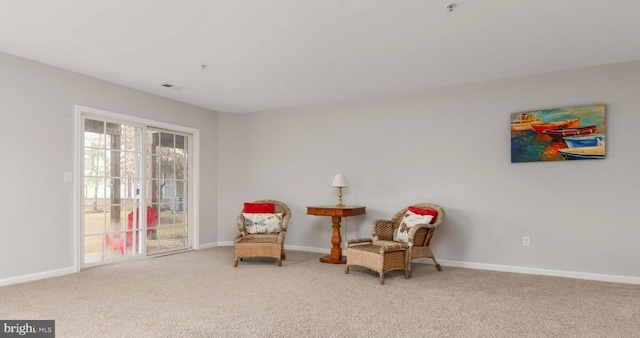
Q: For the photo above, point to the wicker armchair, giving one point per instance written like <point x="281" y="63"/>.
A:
<point x="262" y="245"/>
<point x="419" y="236"/>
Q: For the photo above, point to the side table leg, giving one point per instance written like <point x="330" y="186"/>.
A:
<point x="336" y="239"/>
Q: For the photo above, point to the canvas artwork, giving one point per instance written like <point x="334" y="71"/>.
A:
<point x="572" y="133"/>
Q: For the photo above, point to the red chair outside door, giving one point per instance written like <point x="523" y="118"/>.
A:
<point x="120" y="243"/>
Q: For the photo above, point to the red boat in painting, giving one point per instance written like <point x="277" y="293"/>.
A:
<point x="564" y="124"/>
<point x="558" y="133"/>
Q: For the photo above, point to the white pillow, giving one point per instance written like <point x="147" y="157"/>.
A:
<point x="408" y="221"/>
<point x="263" y="223"/>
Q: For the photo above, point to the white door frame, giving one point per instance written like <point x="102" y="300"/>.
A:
<point x="80" y="111"/>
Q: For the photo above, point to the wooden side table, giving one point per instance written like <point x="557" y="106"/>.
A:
<point x="336" y="214"/>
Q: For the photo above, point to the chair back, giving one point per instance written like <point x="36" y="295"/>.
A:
<point x="422" y="236"/>
<point x="152" y="218"/>
<point x="280" y="207"/>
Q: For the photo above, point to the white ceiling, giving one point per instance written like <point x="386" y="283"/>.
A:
<point x="269" y="54"/>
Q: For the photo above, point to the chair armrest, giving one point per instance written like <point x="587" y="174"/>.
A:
<point x="281" y="236"/>
<point x="237" y="238"/>
<point x="358" y="241"/>
<point x="285" y="222"/>
<point x="393" y="247"/>
<point x="382" y="229"/>
<point x="240" y="223"/>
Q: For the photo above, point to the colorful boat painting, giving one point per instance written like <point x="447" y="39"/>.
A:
<point x="556" y="132"/>
<point x="563" y="124"/>
<point x="559" y="133"/>
<point x="577" y="141"/>
<point x="524" y="122"/>
<point x="583" y="153"/>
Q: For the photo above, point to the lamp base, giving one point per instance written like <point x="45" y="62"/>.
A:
<point x="340" y="198"/>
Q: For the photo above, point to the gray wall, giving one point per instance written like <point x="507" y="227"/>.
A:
<point x="37" y="105"/>
<point x="451" y="146"/>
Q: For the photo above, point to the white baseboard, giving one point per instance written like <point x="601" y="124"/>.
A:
<point x="544" y="272"/>
<point x="495" y="267"/>
<point x="310" y="249"/>
<point x="37" y="276"/>
<point x="209" y="245"/>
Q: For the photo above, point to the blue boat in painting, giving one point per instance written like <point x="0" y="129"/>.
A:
<point x="577" y="141"/>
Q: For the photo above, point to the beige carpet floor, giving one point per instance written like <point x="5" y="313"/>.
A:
<point x="200" y="294"/>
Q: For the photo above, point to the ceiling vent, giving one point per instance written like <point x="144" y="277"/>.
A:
<point x="174" y="87"/>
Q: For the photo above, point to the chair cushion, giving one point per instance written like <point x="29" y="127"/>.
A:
<point x="409" y="220"/>
<point x="425" y="212"/>
<point x="263" y="223"/>
<point x="259" y="238"/>
<point x="259" y="208"/>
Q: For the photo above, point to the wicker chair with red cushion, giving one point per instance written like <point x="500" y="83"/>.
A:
<point x="261" y="244"/>
<point x="419" y="235"/>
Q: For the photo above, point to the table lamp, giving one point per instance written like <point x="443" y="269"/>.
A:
<point x="339" y="181"/>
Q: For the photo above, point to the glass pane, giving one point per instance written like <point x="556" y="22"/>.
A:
<point x="114" y="164"/>
<point x="134" y="219"/>
<point x="181" y="215"/>
<point x="114" y="135"/>
<point x="181" y="165"/>
<point x="94" y="221"/>
<point x="169" y="237"/>
<point x="94" y="192"/>
<point x="94" y="162"/>
<point x="122" y="164"/>
<point x="157" y="207"/>
<point x="94" y="134"/>
<point x="153" y="216"/>
<point x="152" y="141"/>
<point x="184" y="234"/>
<point x="131" y="164"/>
<point x="114" y="191"/>
<point x="131" y="138"/>
<point x="166" y="140"/>
<point x="136" y="239"/>
<point x="181" y="142"/>
<point x="130" y="190"/>
<point x="178" y="231"/>
<point x="116" y="219"/>
<point x="153" y="192"/>
<point x="123" y="243"/>
<point x="167" y="167"/>
<point x="152" y="167"/>
<point x="166" y="218"/>
<point x="93" y="246"/>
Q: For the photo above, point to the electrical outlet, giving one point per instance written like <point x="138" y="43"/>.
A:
<point x="67" y="177"/>
<point x="525" y="241"/>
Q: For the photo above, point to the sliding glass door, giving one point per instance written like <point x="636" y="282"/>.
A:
<point x="122" y="164"/>
<point x="111" y="189"/>
<point x="168" y="189"/>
